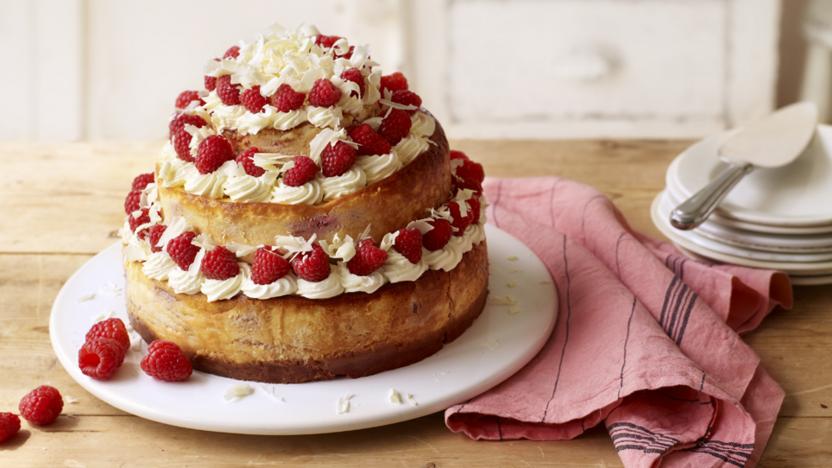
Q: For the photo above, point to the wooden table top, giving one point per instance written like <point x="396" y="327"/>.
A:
<point x="63" y="203"/>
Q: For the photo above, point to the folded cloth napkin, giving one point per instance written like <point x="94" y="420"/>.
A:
<point x="647" y="340"/>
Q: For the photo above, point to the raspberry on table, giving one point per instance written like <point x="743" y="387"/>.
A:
<point x="100" y="357"/>
<point x="367" y="259"/>
<point x="253" y="100"/>
<point x="212" y="153"/>
<point x="165" y="361"/>
<point x="41" y="406"/>
<point x="458" y="221"/>
<point x="437" y="237"/>
<point x="395" y="126"/>
<point x="141" y="181"/>
<point x="112" y="328"/>
<point x="131" y="201"/>
<point x="155" y="233"/>
<point x="409" y="244"/>
<point x="394" y="82"/>
<point x="369" y="142"/>
<point x="219" y="264"/>
<point x="246" y="159"/>
<point x="324" y="93"/>
<point x="269" y="265"/>
<point x="286" y="99"/>
<point x="9" y="426"/>
<point x="354" y="75"/>
<point x="210" y="82"/>
<point x="408" y="98"/>
<point x="232" y="52"/>
<point x="229" y="93"/>
<point x="182" y="250"/>
<point x="337" y="159"/>
<point x="302" y="171"/>
<point x="313" y="265"/>
<point x="187" y="97"/>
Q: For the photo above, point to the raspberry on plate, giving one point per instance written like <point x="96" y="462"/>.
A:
<point x="252" y="99"/>
<point x="437" y="237"/>
<point x="156" y="231"/>
<point x="186" y="97"/>
<point x="142" y="180"/>
<point x="286" y="99"/>
<point x="409" y="244"/>
<point x="269" y="265"/>
<point x="354" y="75"/>
<point x="324" y="93"/>
<point x="41" y="406"/>
<point x="212" y="153"/>
<point x="395" y="126"/>
<point x="367" y="259"/>
<point x="229" y="93"/>
<point x="101" y="357"/>
<point x="166" y="361"/>
<point x="369" y="142"/>
<point x="112" y="328"/>
<point x="182" y="250"/>
<point x="246" y="159"/>
<point x="9" y="426"/>
<point x="408" y="98"/>
<point x="313" y="265"/>
<point x="337" y="159"/>
<point x="219" y="264"/>
<point x="131" y="201"/>
<point x="302" y="171"/>
<point x="394" y="82"/>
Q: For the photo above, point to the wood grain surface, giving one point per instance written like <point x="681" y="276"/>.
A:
<point x="62" y="203"/>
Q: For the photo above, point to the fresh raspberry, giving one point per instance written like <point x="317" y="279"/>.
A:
<point x="246" y="159"/>
<point x="136" y="221"/>
<point x="166" y="361"/>
<point x="324" y="93"/>
<point x="368" y="258"/>
<point x="393" y="82"/>
<point x="182" y="250"/>
<point x="326" y="41"/>
<point x="369" y="142"/>
<point x="354" y="75"/>
<point x="286" y="99"/>
<point x="229" y="93"/>
<point x="180" y="120"/>
<point x="312" y="265"/>
<point x="409" y="244"/>
<point x="131" y="201"/>
<point x="180" y="138"/>
<point x="474" y="206"/>
<point x="41" y="406"/>
<point x="470" y="175"/>
<point x="460" y="222"/>
<point x="187" y="97"/>
<point x="269" y="266"/>
<point x="9" y="426"/>
<point x="408" y="98"/>
<point x="212" y="153"/>
<point x="219" y="264"/>
<point x="232" y="52"/>
<point x="458" y="155"/>
<point x="155" y="233"/>
<point x="142" y="180"/>
<point x="395" y="126"/>
<point x="303" y="170"/>
<point x="337" y="159"/>
<point x="100" y="358"/>
<point x="348" y="54"/>
<point x="253" y="100"/>
<point x="437" y="237"/>
<point x="112" y="328"/>
<point x="210" y="82"/>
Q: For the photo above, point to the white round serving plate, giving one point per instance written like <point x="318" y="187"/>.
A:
<point x="793" y="196"/>
<point x="517" y="320"/>
<point x="691" y="242"/>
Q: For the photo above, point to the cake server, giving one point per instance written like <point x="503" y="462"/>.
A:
<point x="773" y="141"/>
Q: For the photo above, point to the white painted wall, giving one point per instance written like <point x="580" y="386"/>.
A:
<point x="110" y="69"/>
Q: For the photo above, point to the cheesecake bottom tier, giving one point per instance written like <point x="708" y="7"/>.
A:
<point x="293" y="339"/>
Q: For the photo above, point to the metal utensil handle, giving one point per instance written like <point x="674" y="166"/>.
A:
<point x="696" y="209"/>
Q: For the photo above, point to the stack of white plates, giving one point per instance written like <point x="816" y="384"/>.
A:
<point x="774" y="218"/>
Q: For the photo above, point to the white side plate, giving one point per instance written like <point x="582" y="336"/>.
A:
<point x="499" y="343"/>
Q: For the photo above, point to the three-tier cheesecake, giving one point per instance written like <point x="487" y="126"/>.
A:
<point x="306" y="219"/>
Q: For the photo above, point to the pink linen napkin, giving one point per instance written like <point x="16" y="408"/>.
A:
<point x="646" y="341"/>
